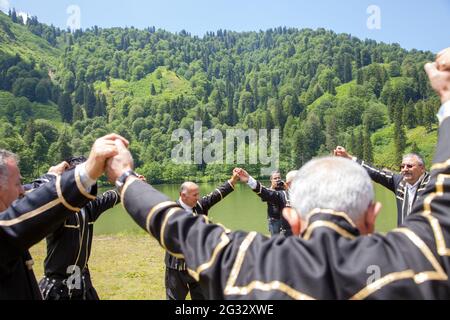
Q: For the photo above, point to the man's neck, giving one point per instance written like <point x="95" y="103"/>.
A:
<point x="184" y="205"/>
<point x="416" y="182"/>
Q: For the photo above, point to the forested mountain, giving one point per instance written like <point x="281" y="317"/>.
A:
<point x="59" y="91"/>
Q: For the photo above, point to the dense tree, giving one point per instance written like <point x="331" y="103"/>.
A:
<point x="65" y="107"/>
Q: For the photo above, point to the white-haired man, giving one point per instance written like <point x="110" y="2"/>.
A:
<point x="333" y="210"/>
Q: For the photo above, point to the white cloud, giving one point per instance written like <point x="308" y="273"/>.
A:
<point x="4" y="5"/>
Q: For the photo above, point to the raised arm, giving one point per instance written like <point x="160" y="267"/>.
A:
<point x="383" y="177"/>
<point x="217" y="195"/>
<point x="101" y="204"/>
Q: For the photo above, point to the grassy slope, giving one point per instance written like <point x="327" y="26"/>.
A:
<point x="29" y="47"/>
<point x="47" y="111"/>
<point x="172" y="86"/>
<point x="26" y="44"/>
<point x="384" y="148"/>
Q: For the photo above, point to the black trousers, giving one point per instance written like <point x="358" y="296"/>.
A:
<point x="59" y="291"/>
<point x="179" y="283"/>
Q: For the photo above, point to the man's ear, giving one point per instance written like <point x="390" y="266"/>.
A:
<point x="371" y="216"/>
<point x="294" y="220"/>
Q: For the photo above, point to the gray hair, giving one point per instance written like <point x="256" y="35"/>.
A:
<point x="4" y="156"/>
<point x="291" y="175"/>
<point x="415" y="155"/>
<point x="332" y="183"/>
<point x="186" y="185"/>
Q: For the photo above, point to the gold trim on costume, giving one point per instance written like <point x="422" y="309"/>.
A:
<point x="378" y="284"/>
<point x="128" y="183"/>
<point x="273" y="285"/>
<point x="153" y="210"/>
<point x="61" y="197"/>
<point x="437" y="274"/>
<point x="161" y="233"/>
<point x="442" y="165"/>
<point x="239" y="260"/>
<point x="434" y="223"/>
<point x="81" y="187"/>
<point x="224" y="241"/>
<point x="419" y="243"/>
<point x="221" y="196"/>
<point x="29" y="215"/>
<point x="232" y="289"/>
<point x="327" y="224"/>
<point x="231" y="185"/>
<point x="331" y="212"/>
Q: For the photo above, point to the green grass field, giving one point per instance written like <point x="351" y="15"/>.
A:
<point x="123" y="267"/>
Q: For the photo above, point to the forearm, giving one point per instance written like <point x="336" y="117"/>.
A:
<point x="30" y="219"/>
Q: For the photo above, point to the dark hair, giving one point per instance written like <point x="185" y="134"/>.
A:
<point x="74" y="161"/>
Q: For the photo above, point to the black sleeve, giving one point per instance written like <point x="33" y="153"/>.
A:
<point x="102" y="203"/>
<point x="383" y="177"/>
<point x="39" y="182"/>
<point x="30" y="219"/>
<point x="271" y="196"/>
<point x="217" y="195"/>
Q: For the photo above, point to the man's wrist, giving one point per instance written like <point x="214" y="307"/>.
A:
<point x="252" y="182"/>
<point x="85" y="179"/>
<point x="444" y="111"/>
<point x="445" y="98"/>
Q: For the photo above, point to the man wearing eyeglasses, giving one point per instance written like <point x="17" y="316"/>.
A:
<point x="406" y="186"/>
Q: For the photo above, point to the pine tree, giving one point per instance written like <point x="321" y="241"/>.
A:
<point x="78" y="114"/>
<point x="152" y="90"/>
<point x="367" y="146"/>
<point x="399" y="137"/>
<point x="65" y="107"/>
<point x="359" y="146"/>
<point x="409" y="115"/>
<point x="89" y="101"/>
<point x="331" y="134"/>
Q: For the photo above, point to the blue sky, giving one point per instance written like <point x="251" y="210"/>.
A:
<point x="422" y="25"/>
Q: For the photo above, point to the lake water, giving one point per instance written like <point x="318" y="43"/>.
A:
<point x="240" y="210"/>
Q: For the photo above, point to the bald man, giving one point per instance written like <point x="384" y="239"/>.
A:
<point x="178" y="281"/>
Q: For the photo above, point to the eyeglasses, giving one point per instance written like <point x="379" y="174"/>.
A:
<point x="409" y="166"/>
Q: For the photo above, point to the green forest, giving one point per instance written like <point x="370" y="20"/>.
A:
<point x="60" y="90"/>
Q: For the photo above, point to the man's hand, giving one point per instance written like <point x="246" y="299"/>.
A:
<point x="439" y="80"/>
<point x="235" y="176"/>
<point x="103" y="149"/>
<point x="341" y="152"/>
<point x="243" y="175"/>
<point x="443" y="60"/>
<point x="120" y="163"/>
<point x="141" y="177"/>
<point x="59" y="168"/>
